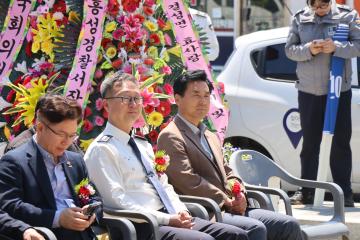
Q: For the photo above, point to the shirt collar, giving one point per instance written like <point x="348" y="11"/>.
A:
<point x="119" y="134"/>
<point x="202" y="127"/>
<point x="46" y="155"/>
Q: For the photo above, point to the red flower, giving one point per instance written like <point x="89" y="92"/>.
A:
<point x="140" y="18"/>
<point x="236" y="188"/>
<point x="164" y="108"/>
<point x="26" y="80"/>
<point x="118" y="33"/>
<point x="28" y="49"/>
<point x="84" y="191"/>
<point x="168" y="89"/>
<point x="10" y="96"/>
<point x="113" y="7"/>
<point x="221" y="87"/>
<point x="154" y="39"/>
<point x="117" y="63"/>
<point x="161" y="23"/>
<point x="130" y="5"/>
<point x="149" y="3"/>
<point x="153" y="135"/>
<point x="105" y="42"/>
<point x="88" y="126"/>
<point x="149" y="61"/>
<point x="59" y="6"/>
<point x="160" y="161"/>
<point x="148" y="11"/>
<point x="148" y="109"/>
<point x="87" y="112"/>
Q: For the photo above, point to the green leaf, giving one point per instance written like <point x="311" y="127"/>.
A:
<point x="150" y="81"/>
<point x="13" y="110"/>
<point x="161" y="95"/>
<point x="106" y="65"/>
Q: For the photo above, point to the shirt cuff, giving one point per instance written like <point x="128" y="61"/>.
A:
<point x="56" y="221"/>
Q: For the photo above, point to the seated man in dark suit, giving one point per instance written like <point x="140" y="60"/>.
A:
<point x="197" y="166"/>
<point x="38" y="179"/>
<point x="11" y="228"/>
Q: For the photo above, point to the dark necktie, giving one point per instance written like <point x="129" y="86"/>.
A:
<point x="154" y="180"/>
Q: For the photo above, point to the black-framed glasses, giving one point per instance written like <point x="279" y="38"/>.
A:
<point x="127" y="99"/>
<point x="62" y="135"/>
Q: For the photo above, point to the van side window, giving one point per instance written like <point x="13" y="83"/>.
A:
<point x="271" y="63"/>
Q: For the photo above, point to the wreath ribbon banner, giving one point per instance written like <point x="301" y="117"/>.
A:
<point x="87" y="51"/>
<point x="194" y="59"/>
<point x="14" y="31"/>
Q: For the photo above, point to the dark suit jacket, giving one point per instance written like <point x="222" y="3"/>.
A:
<point x="26" y="192"/>
<point x="11" y="227"/>
<point x="191" y="171"/>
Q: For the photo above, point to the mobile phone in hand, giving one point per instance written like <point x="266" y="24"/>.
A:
<point x="92" y="208"/>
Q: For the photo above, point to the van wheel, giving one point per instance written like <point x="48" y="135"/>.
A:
<point x="247" y="143"/>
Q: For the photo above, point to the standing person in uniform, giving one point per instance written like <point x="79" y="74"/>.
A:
<point x="121" y="165"/>
<point x="310" y="44"/>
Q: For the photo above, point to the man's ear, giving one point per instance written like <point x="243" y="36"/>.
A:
<point x="105" y="104"/>
<point x="177" y="98"/>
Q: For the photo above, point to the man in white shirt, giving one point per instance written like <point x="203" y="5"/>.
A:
<point x="122" y="168"/>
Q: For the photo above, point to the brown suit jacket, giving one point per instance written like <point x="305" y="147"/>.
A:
<point x="191" y="171"/>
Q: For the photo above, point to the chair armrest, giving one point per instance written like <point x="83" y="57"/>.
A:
<point x="124" y="225"/>
<point x="135" y="216"/>
<point x="336" y="191"/>
<point x="274" y="191"/>
<point x="260" y="197"/>
<point x="206" y="202"/>
<point x="46" y="232"/>
<point x="197" y="210"/>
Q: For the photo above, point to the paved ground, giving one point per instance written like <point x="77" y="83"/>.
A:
<point x="307" y="214"/>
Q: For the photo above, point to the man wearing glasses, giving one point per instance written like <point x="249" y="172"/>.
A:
<point x="37" y="179"/>
<point x="122" y="167"/>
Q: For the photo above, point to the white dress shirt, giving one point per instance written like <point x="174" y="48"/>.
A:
<point x="121" y="178"/>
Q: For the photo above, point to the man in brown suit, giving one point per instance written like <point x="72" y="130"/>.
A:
<point x="197" y="166"/>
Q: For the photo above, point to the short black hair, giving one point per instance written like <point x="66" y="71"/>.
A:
<point x="312" y="2"/>
<point x="182" y="81"/>
<point x="56" y="108"/>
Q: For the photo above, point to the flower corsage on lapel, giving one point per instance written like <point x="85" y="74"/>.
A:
<point x="84" y="191"/>
<point x="161" y="162"/>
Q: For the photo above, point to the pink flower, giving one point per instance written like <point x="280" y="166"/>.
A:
<point x="167" y="39"/>
<point x="147" y="97"/>
<point x="127" y="69"/>
<point x="118" y="33"/>
<point x="99" y="104"/>
<point x="139" y="123"/>
<point x="98" y="74"/>
<point x="168" y="89"/>
<point x="155" y="102"/>
<point x="141" y="69"/>
<point x="99" y="121"/>
<point x="166" y="70"/>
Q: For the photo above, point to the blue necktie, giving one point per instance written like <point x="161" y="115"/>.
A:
<point x="164" y="197"/>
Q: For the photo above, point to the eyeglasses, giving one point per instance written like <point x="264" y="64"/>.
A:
<point x="62" y="134"/>
<point x="128" y="99"/>
<point x="321" y="7"/>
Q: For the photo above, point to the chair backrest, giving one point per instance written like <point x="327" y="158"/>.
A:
<point x="255" y="168"/>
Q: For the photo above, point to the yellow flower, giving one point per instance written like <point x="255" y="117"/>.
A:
<point x="27" y="100"/>
<point x="168" y="26"/>
<point x="111" y="52"/>
<point x="153" y="52"/>
<point x="111" y="26"/>
<point x="155" y="119"/>
<point x="153" y="27"/>
<point x="35" y="47"/>
<point x="84" y="144"/>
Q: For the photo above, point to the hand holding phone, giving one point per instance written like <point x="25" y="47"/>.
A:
<point x="92" y="208"/>
<point x="318" y="42"/>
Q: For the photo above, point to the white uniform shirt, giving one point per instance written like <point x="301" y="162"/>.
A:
<point x="121" y="178"/>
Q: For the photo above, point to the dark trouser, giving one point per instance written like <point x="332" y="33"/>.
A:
<point x="202" y="230"/>
<point x="262" y="224"/>
<point x="312" y="114"/>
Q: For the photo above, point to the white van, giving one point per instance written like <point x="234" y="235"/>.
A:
<point x="259" y="86"/>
